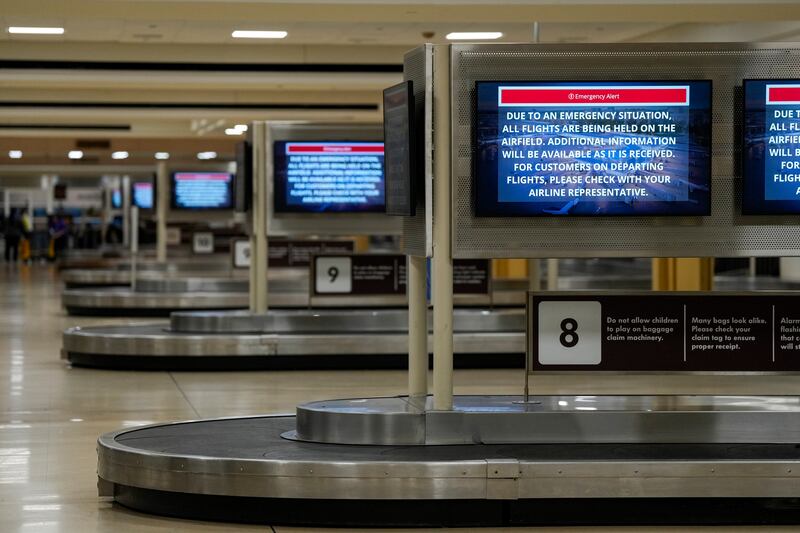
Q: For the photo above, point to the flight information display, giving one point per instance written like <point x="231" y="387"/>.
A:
<point x="771" y="147"/>
<point x="398" y="134"/>
<point x="143" y="195"/>
<point x="329" y="177"/>
<point x="593" y="148"/>
<point x="202" y="190"/>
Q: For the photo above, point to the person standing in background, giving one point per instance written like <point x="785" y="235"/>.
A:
<point x="27" y="232"/>
<point x="12" y="234"/>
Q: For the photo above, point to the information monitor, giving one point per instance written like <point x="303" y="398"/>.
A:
<point x="143" y="195"/>
<point x="398" y="134"/>
<point x="328" y="177"/>
<point x="202" y="190"/>
<point x="632" y="148"/>
<point x="771" y="147"/>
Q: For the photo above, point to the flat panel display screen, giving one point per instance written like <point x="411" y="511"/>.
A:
<point x="143" y="195"/>
<point x="328" y="177"/>
<point x="243" y="195"/>
<point x="398" y="134"/>
<point x="202" y="190"/>
<point x="633" y="148"/>
<point x="771" y="147"/>
<point x="116" y="199"/>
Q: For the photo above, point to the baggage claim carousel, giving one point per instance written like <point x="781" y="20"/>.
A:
<point x="492" y="461"/>
<point x="363" y="332"/>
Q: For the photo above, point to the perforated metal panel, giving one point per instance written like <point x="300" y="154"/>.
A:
<point x="726" y="233"/>
<point x="418" y="67"/>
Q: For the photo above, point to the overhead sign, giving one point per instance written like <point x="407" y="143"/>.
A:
<point x="381" y="274"/>
<point x="203" y="242"/>
<point x="298" y="253"/>
<point x="721" y="332"/>
<point x="363" y="274"/>
<point x="173" y="236"/>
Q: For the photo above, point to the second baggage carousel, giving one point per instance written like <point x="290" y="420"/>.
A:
<point x="292" y="339"/>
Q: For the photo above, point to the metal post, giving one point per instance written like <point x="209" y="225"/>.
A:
<point x="258" y="255"/>
<point x="552" y="274"/>
<point x="162" y="200"/>
<point x="126" y="210"/>
<point x="417" y="327"/>
<point x="442" y="252"/>
<point x="49" y="200"/>
<point x="752" y="267"/>
<point x="534" y="275"/>
<point x="134" y="244"/>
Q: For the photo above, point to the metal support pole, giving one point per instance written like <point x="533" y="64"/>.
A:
<point x="417" y="326"/>
<point x="552" y="274"/>
<point x="534" y="275"/>
<point x="162" y="201"/>
<point x="134" y="244"/>
<point x="126" y="210"/>
<point x="259" y="258"/>
<point x="442" y="250"/>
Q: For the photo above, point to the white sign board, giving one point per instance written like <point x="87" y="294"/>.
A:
<point x="333" y="275"/>
<point x="241" y="254"/>
<point x="203" y="243"/>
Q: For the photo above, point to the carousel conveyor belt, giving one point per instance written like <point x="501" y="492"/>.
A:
<point x="292" y="339"/>
<point x="243" y="470"/>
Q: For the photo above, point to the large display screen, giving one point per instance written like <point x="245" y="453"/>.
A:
<point x="143" y="195"/>
<point x="771" y="147"/>
<point x="633" y="148"/>
<point x="116" y="199"/>
<point x="243" y="187"/>
<point x="202" y="190"/>
<point x="398" y="134"/>
<point x="328" y="177"/>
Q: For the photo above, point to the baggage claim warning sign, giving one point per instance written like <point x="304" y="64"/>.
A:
<point x="590" y="149"/>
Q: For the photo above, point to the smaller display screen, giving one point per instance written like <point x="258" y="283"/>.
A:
<point x="143" y="195"/>
<point x="328" y="177"/>
<point x="771" y="147"/>
<point x="398" y="134"/>
<point x="243" y="195"/>
<point x="116" y="199"/>
<point x="202" y="190"/>
<point x="601" y="148"/>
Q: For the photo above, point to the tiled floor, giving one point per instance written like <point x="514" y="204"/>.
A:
<point x="50" y="415"/>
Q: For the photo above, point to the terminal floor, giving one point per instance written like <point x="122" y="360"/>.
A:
<point x="50" y="415"/>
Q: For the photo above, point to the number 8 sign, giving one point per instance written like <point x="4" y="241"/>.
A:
<point x="569" y="333"/>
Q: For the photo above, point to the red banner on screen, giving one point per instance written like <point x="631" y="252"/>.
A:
<point x="783" y="94"/>
<point x="334" y="148"/>
<point x="188" y="176"/>
<point x="605" y="96"/>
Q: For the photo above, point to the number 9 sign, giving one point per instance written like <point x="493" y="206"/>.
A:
<point x="333" y="275"/>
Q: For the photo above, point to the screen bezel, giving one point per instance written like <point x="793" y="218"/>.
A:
<point x="743" y="204"/>
<point x="279" y="204"/>
<point x="411" y="206"/>
<point x="173" y="197"/>
<point x="474" y="137"/>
